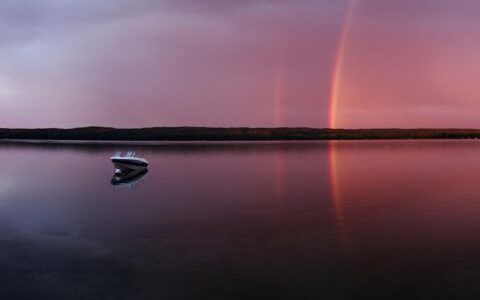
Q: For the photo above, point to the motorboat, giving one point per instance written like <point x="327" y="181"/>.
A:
<point x="128" y="162"/>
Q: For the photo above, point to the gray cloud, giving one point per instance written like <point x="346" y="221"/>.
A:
<point x="72" y="63"/>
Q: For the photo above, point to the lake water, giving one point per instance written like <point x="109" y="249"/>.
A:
<point x="283" y="220"/>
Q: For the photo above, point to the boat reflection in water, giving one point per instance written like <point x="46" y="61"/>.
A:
<point x="128" y="179"/>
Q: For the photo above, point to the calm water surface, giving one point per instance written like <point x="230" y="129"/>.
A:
<point x="303" y="220"/>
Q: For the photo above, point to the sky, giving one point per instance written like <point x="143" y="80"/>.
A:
<point x="263" y="63"/>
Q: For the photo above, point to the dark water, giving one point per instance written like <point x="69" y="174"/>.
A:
<point x="305" y="220"/>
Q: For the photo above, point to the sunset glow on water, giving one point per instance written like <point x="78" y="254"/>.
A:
<point x="337" y="219"/>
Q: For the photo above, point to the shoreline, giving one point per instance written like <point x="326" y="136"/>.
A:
<point x="266" y="144"/>
<point x="215" y="134"/>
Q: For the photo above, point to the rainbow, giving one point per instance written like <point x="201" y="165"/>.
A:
<point x="279" y="79"/>
<point x="279" y="95"/>
<point x="339" y="62"/>
<point x="334" y="99"/>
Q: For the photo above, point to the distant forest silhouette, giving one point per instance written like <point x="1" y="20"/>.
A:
<point x="232" y="134"/>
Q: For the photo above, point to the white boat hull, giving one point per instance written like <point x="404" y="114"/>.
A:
<point x="129" y="164"/>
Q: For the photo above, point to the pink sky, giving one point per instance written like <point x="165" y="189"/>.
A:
<point x="135" y="63"/>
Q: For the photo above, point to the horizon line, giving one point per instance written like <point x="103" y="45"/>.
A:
<point x="239" y="127"/>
